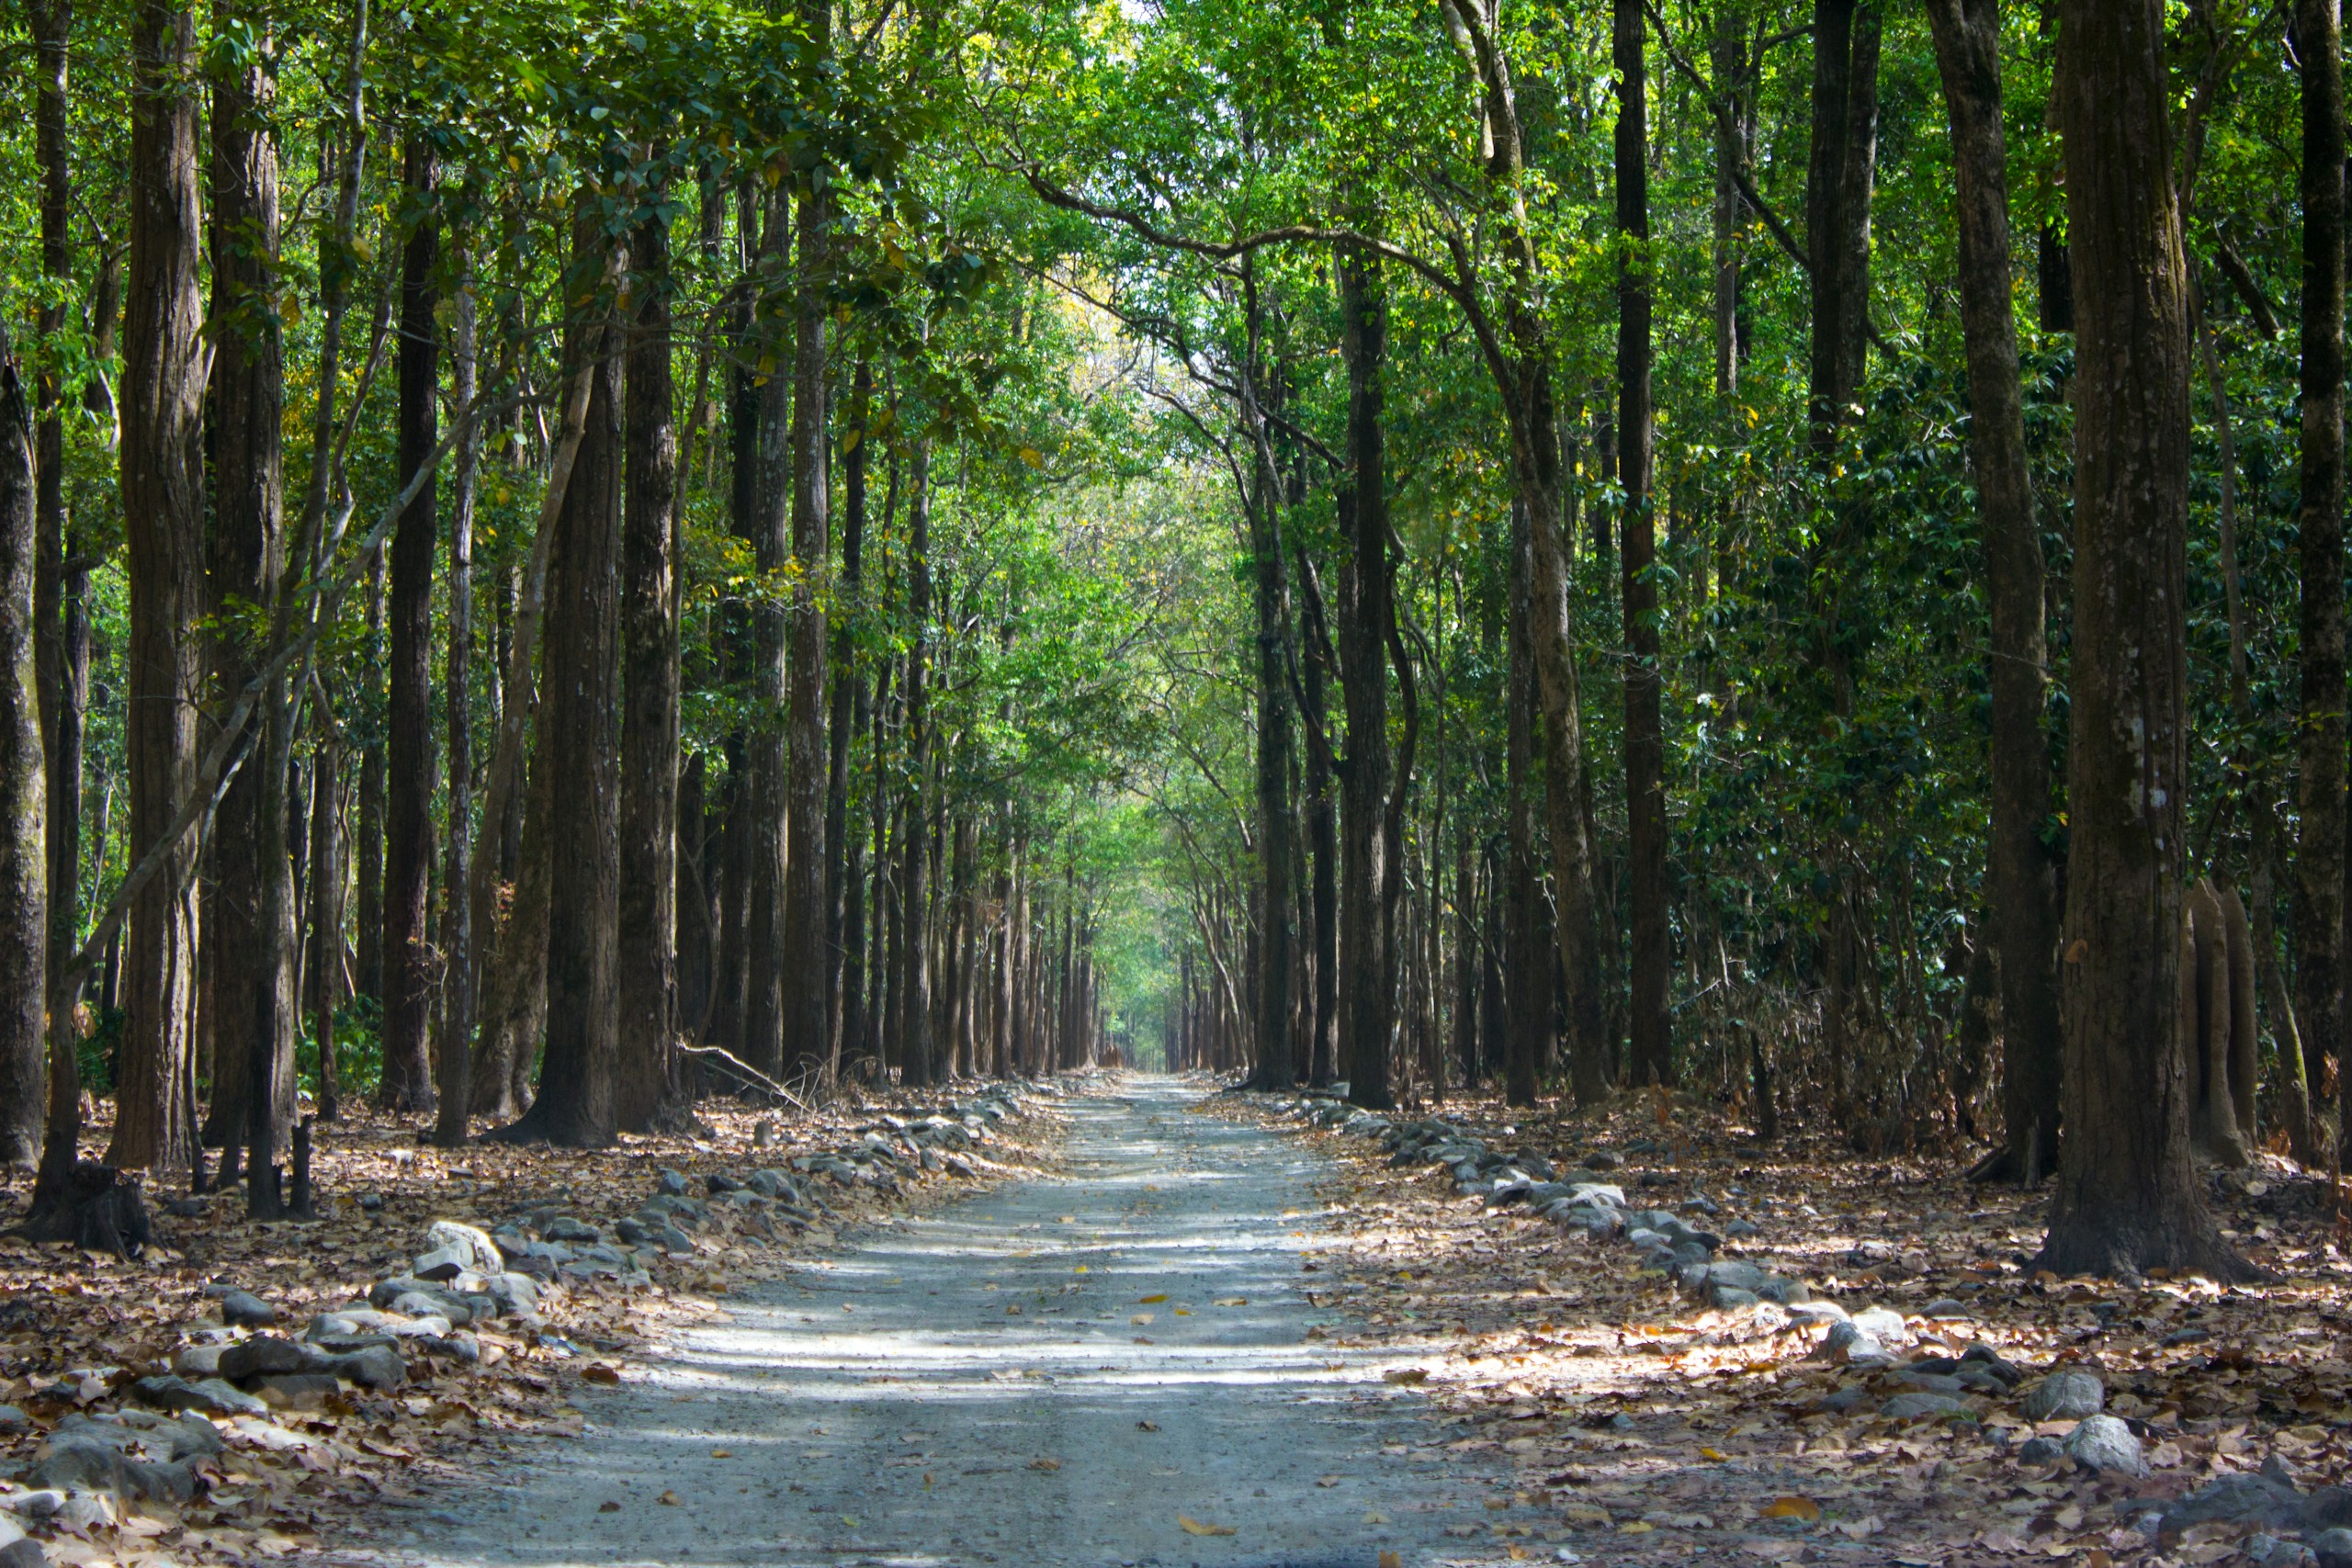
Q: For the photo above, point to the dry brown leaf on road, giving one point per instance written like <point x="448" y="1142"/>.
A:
<point x="1791" y="1508"/>
<point x="1194" y="1526"/>
<point x="1046" y="1464"/>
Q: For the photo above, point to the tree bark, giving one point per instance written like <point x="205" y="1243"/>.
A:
<point x="914" y="907"/>
<point x="578" y="746"/>
<point x="409" y="753"/>
<point x="2022" y="873"/>
<point x="804" y="1027"/>
<point x="162" y="395"/>
<point x="846" y="846"/>
<point x="1525" y="1000"/>
<point x="24" y="873"/>
<point x="1652" y="1023"/>
<point x="649" y="1090"/>
<point x="2320" y="865"/>
<point x="455" y="1064"/>
<point x="2127" y="1197"/>
<point x="765" y="797"/>
<point x="1369" y="968"/>
<point x="60" y="617"/>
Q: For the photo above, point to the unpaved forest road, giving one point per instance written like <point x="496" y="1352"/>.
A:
<point x="889" y="1406"/>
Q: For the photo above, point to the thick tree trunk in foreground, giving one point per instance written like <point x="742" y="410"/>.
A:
<point x="2126" y="1196"/>
<point x="2320" y="865"/>
<point x="579" y="750"/>
<point x="243" y="955"/>
<point x="2023" y="879"/>
<point x="1652" y="1024"/>
<point x="409" y="753"/>
<point x="648" y="781"/>
<point x="162" y="465"/>
<point x="61" y="616"/>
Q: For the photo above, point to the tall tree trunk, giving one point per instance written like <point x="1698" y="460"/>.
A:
<point x="1271" y="1067"/>
<point x="1652" y="1023"/>
<point x="409" y="752"/>
<point x="24" y="873"/>
<point x="915" y="1042"/>
<point x="768" y="837"/>
<point x="163" y="387"/>
<point x="1370" y="971"/>
<point x="845" y="845"/>
<point x="2022" y="873"/>
<point x="1323" y="1063"/>
<point x="577" y="745"/>
<point x="325" y="890"/>
<point x="368" y="829"/>
<point x="2320" y="865"/>
<point x="455" y="1065"/>
<point x="804" y="1025"/>
<point x="1526" y="968"/>
<point x="251" y="949"/>
<point x="2127" y="1197"/>
<point x="60" y="620"/>
<point x="649" y="783"/>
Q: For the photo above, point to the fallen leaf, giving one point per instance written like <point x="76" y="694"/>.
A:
<point x="1327" y="1481"/>
<point x="1791" y="1507"/>
<point x="1405" y="1375"/>
<point x="722" y="1453"/>
<point x="1046" y="1464"/>
<point x="1147" y="1301"/>
<point x="1390" y="1560"/>
<point x="669" y="1498"/>
<point x="597" y="1373"/>
<point x="1146" y="1426"/>
<point x="1142" y="1317"/>
<point x="1715" y="1454"/>
<point x="1194" y="1526"/>
<point x="608" y="1507"/>
<point x="1233" y="1301"/>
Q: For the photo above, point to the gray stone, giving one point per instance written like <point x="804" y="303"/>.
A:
<point x="1811" y="1311"/>
<point x="2040" y="1451"/>
<point x="1948" y="1311"/>
<point x="2249" y="1499"/>
<point x="1944" y="1384"/>
<point x="1736" y="1275"/>
<point x="266" y="1353"/>
<point x="1882" y="1323"/>
<point x="1740" y="1230"/>
<point x="632" y="1232"/>
<point x="1787" y="1292"/>
<point x="24" y="1552"/>
<point x="1848" y="1398"/>
<point x="2332" y="1548"/>
<point x="37" y="1505"/>
<point x="2330" y="1508"/>
<point x="99" y="1467"/>
<point x="671" y="1183"/>
<point x="517" y="1294"/>
<point x="441" y="1304"/>
<point x="198" y="1360"/>
<point x="2104" y="1444"/>
<point x="1983" y="1355"/>
<point x="1847" y="1340"/>
<point x="12" y="1419"/>
<point x="2067" y="1395"/>
<point x="443" y="1263"/>
<point x="243" y="1309"/>
<point x="374" y="1367"/>
<point x="1730" y="1298"/>
<point x="211" y="1396"/>
<point x="1912" y="1407"/>
<point x="483" y="1254"/>
<point x="568" y="1229"/>
<point x="1605" y="1159"/>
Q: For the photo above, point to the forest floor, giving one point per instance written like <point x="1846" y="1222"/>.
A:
<point x="1147" y="1323"/>
<point x="1641" y="1426"/>
<point x="117" y="1472"/>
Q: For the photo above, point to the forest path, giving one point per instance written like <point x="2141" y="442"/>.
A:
<point x="971" y="1386"/>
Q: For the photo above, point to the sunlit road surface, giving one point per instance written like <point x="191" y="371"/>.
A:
<point x="1058" y="1371"/>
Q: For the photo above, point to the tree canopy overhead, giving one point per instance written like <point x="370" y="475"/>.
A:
<point x="559" y="562"/>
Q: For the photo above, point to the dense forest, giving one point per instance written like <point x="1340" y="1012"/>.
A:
<point x="556" y="562"/>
